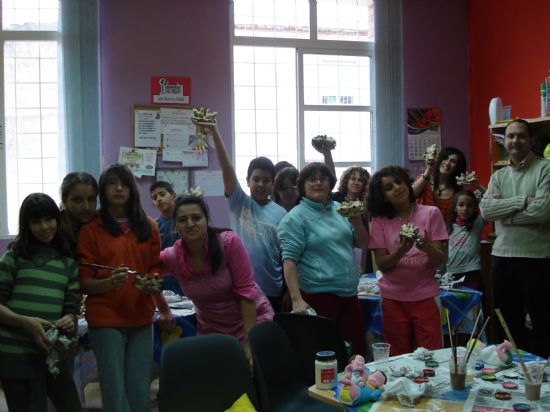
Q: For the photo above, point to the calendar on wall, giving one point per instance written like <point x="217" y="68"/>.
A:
<point x="423" y="130"/>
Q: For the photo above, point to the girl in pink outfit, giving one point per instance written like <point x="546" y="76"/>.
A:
<point x="408" y="289"/>
<point x="214" y="271"/>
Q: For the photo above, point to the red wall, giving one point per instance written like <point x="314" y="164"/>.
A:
<point x="509" y="56"/>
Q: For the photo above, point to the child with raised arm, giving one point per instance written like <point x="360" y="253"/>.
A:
<point x="255" y="218"/>
<point x="408" y="289"/>
<point x="38" y="291"/>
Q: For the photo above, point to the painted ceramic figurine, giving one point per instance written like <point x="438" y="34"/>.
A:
<point x="495" y="355"/>
<point x="358" y="386"/>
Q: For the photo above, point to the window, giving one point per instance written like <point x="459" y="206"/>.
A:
<point x="33" y="140"/>
<point x="303" y="68"/>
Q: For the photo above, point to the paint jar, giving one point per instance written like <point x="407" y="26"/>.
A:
<point x="326" y="369"/>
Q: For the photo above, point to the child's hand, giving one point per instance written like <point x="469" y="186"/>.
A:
<point x="66" y="323"/>
<point x="421" y="242"/>
<point x="37" y="329"/>
<point x="119" y="276"/>
<point x="166" y="321"/>
<point x="405" y="244"/>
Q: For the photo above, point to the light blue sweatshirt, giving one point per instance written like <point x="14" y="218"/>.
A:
<point x="320" y="241"/>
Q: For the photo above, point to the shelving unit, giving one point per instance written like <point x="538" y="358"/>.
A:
<point x="498" y="156"/>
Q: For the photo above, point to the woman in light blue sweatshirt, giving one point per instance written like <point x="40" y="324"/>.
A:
<point x="319" y="263"/>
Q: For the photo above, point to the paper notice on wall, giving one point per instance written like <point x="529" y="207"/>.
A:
<point x="178" y="178"/>
<point x="142" y="162"/>
<point x="210" y="182"/>
<point x="147" y="128"/>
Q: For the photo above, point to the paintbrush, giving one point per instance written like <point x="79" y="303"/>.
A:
<point x="453" y="348"/>
<point x="98" y="266"/>
<point x="511" y="339"/>
<point x="477" y="338"/>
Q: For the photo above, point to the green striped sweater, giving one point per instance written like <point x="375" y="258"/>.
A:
<point x="46" y="287"/>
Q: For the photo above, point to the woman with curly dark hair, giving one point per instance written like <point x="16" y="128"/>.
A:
<point x="409" y="290"/>
<point x="437" y="185"/>
<point x="352" y="185"/>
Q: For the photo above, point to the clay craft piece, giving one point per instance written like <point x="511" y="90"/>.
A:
<point x="151" y="284"/>
<point x="323" y="142"/>
<point x="353" y="208"/>
<point x="466" y="178"/>
<point x="431" y="154"/>
<point x="410" y="231"/>
<point x="204" y="115"/>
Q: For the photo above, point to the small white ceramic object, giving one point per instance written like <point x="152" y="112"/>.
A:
<point x="495" y="110"/>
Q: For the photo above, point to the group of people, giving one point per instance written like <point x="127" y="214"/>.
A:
<point x="289" y="249"/>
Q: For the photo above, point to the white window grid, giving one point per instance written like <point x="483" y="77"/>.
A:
<point x="341" y="104"/>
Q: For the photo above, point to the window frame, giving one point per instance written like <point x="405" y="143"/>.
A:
<point x="13" y="36"/>
<point x="310" y="46"/>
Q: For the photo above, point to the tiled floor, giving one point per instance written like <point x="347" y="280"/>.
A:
<point x="93" y="398"/>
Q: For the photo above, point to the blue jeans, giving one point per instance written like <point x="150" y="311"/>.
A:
<point x="124" y="358"/>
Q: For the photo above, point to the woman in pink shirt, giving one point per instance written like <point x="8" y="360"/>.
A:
<point x="408" y="289"/>
<point x="214" y="271"/>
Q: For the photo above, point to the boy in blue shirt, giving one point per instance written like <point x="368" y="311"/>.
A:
<point x="164" y="197"/>
<point x="255" y="218"/>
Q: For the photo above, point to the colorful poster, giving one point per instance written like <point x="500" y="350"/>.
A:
<point x="423" y="130"/>
<point x="170" y="89"/>
<point x="142" y="162"/>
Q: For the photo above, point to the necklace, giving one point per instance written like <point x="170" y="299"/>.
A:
<point x="408" y="219"/>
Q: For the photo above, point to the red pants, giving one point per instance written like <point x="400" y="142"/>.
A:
<point x="409" y="325"/>
<point x="346" y="312"/>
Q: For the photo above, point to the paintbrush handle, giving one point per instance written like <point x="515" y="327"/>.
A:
<point x="98" y="266"/>
<point x="511" y="339"/>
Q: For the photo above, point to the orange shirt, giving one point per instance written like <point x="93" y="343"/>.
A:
<point x="125" y="306"/>
<point x="427" y="197"/>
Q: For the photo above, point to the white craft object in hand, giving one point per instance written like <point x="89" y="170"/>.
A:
<point x="410" y="231"/>
<point x="323" y="142"/>
<point x="352" y="208"/>
<point x="466" y="178"/>
<point x="431" y="154"/>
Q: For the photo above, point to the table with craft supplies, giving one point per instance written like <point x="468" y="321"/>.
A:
<point x="480" y="395"/>
<point x="462" y="303"/>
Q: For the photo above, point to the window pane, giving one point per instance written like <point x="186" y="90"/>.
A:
<point x="31" y="99"/>
<point x="272" y="18"/>
<point x="345" y="20"/>
<point x="336" y="80"/>
<point x="28" y="15"/>
<point x="351" y="130"/>
<point x="265" y="105"/>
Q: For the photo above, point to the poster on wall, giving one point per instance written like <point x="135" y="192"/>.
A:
<point x="178" y="178"/>
<point x="423" y="130"/>
<point x="142" y="162"/>
<point x="147" y="128"/>
<point x="170" y="90"/>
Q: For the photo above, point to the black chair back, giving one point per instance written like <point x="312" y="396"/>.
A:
<point x="204" y="373"/>
<point x="309" y="335"/>
<point x="278" y="372"/>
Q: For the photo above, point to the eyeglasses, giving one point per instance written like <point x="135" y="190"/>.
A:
<point x="289" y="189"/>
<point x="321" y="179"/>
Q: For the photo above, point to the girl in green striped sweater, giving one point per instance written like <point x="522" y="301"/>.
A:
<point x="38" y="290"/>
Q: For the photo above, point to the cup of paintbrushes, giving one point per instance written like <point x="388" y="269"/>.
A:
<point x="532" y="387"/>
<point x="457" y="372"/>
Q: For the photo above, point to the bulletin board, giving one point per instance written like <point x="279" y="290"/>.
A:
<point x="150" y="123"/>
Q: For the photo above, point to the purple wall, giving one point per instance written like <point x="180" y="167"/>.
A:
<point x="141" y="38"/>
<point x="435" y="66"/>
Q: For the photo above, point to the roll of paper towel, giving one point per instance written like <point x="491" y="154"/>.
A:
<point x="495" y="110"/>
